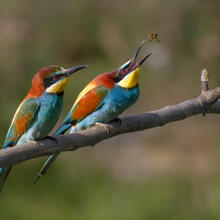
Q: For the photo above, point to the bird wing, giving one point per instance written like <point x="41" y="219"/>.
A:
<point x="22" y="120"/>
<point x="87" y="101"/>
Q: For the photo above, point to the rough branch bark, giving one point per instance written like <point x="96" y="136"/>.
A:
<point x="207" y="102"/>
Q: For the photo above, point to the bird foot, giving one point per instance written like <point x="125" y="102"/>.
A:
<point x="37" y="144"/>
<point x="105" y="126"/>
<point x="47" y="137"/>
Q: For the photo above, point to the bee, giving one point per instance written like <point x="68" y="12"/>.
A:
<point x="153" y="36"/>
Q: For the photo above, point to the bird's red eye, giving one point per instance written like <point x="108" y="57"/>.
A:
<point x="55" y="77"/>
<point x="123" y="71"/>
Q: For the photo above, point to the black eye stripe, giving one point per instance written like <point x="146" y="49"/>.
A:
<point x="122" y="72"/>
<point x="51" y="80"/>
<point x="48" y="82"/>
<point x="120" y="76"/>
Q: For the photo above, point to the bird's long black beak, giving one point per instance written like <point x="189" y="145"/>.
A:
<point x="134" y="57"/>
<point x="133" y="64"/>
<point x="142" y="60"/>
<point x="74" y="69"/>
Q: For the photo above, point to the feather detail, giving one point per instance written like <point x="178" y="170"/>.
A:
<point x="21" y="121"/>
<point x="101" y="80"/>
<point x="89" y="102"/>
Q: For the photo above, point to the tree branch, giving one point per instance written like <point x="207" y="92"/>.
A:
<point x="207" y="102"/>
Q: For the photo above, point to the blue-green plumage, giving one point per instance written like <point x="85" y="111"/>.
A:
<point x="46" y="118"/>
<point x="117" y="101"/>
<point x="40" y="109"/>
<point x="102" y="100"/>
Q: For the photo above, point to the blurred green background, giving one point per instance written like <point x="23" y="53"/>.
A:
<point x="171" y="172"/>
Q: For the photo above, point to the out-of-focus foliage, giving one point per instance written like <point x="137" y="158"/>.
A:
<point x="163" y="173"/>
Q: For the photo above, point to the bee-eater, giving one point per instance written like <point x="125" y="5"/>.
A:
<point x="40" y="109"/>
<point x="102" y="100"/>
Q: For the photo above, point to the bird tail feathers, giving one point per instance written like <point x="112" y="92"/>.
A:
<point x="53" y="157"/>
<point x="46" y="166"/>
<point x="3" y="175"/>
<point x="63" y="129"/>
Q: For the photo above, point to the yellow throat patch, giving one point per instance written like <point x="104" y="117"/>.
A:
<point x="131" y="80"/>
<point x="58" y="87"/>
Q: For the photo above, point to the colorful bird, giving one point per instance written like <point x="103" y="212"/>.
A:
<point x="102" y="100"/>
<point x="40" y="109"/>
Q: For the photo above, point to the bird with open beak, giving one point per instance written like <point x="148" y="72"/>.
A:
<point x="103" y="99"/>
